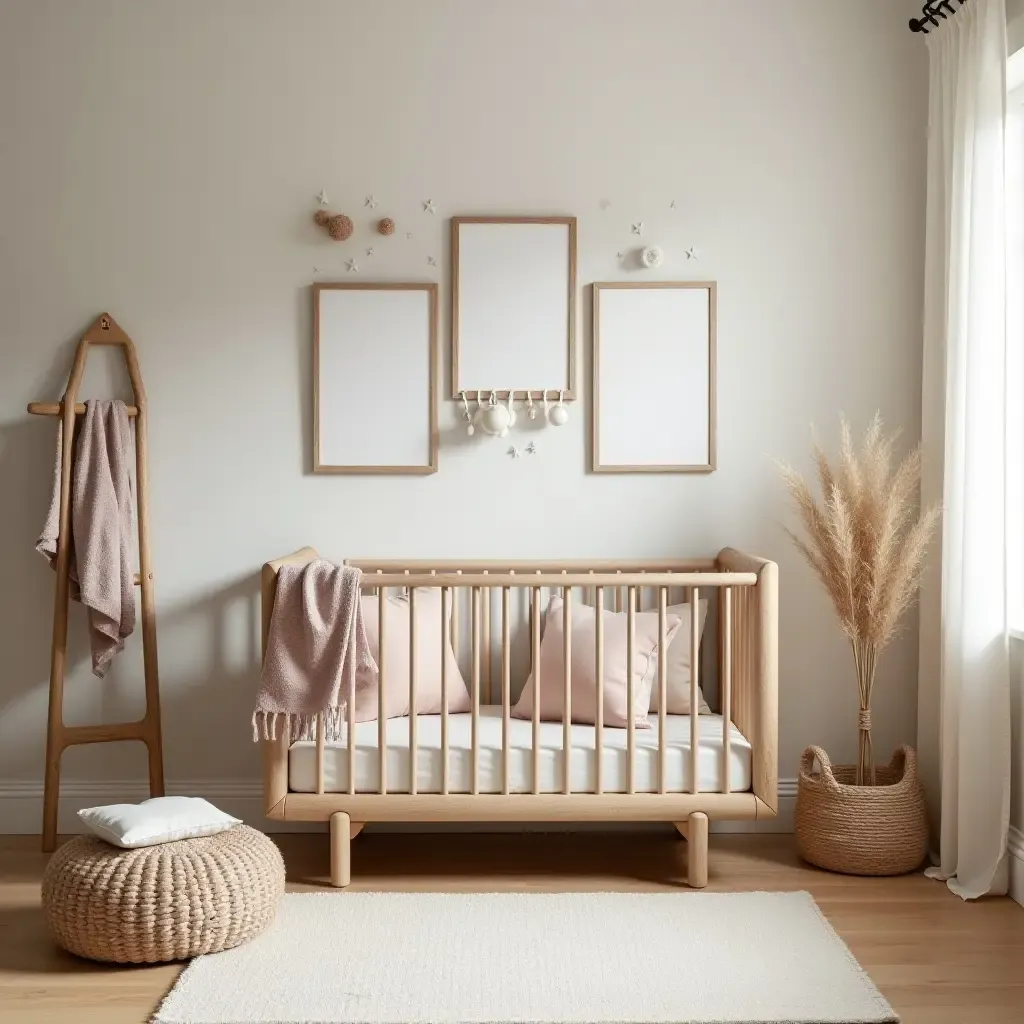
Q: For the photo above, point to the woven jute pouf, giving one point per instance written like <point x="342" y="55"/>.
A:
<point x="167" y="902"/>
<point x="861" y="830"/>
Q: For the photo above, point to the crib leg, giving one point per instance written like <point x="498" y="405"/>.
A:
<point x="341" y="849"/>
<point x="697" y="850"/>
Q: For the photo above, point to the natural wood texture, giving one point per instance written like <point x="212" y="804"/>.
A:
<point x="936" y="959"/>
<point x="663" y="683"/>
<point x="483" y="807"/>
<point x="725" y="684"/>
<point x="567" y="682"/>
<point x="445" y="609"/>
<point x="595" y="410"/>
<point x="56" y="409"/>
<point x="431" y="466"/>
<point x="599" y="669"/>
<point x="551" y="580"/>
<point x="506" y="680"/>
<point x="104" y="330"/>
<point x="341" y="849"/>
<point x="746" y="579"/>
<point x="382" y="718"/>
<point x="413" y="716"/>
<point x="694" y="690"/>
<point x="535" y="614"/>
<point x="697" y="850"/>
<point x="475" y="691"/>
<point x="756" y="678"/>
<point x="513" y="565"/>
<point x="472" y="394"/>
<point x="630" y="697"/>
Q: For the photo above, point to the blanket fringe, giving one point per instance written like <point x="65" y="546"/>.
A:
<point x="300" y="726"/>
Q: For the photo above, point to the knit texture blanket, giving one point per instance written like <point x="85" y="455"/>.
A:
<point x="316" y="644"/>
<point x="100" y="567"/>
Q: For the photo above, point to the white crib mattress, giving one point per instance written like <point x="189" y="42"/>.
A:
<point x="302" y="757"/>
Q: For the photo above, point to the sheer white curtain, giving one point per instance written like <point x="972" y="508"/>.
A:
<point x="964" y="422"/>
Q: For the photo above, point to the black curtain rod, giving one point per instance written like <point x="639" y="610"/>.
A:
<point x="932" y="10"/>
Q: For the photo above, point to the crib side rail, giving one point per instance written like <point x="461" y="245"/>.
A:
<point x="275" y="751"/>
<point x="752" y="635"/>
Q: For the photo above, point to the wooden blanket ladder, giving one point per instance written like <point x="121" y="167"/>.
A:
<point x="103" y="331"/>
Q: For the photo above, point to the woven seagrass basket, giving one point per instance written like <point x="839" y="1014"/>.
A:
<point x="861" y="830"/>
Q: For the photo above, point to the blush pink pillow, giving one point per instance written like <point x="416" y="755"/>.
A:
<point x="643" y="672"/>
<point x="396" y="666"/>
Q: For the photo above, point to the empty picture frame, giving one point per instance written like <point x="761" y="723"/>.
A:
<point x="514" y="306"/>
<point x="375" y="378"/>
<point x="654" y="377"/>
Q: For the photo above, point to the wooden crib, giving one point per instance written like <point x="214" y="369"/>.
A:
<point x="661" y="776"/>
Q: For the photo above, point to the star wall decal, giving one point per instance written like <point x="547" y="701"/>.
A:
<point x="692" y="254"/>
<point x="432" y="261"/>
<point x="514" y="452"/>
<point x="638" y="228"/>
<point x="369" y="251"/>
<point x="531" y="448"/>
<point x="620" y="255"/>
<point x="371" y="201"/>
<point x="351" y="266"/>
<point x="322" y="198"/>
<point x="409" y="235"/>
<point x="672" y="205"/>
<point x="428" y="206"/>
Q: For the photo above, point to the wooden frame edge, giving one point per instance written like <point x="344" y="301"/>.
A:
<point x="472" y="394"/>
<point x="433" y="424"/>
<point x="595" y="407"/>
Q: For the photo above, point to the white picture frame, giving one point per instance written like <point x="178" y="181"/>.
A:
<point x="375" y="378"/>
<point x="513" y="307"/>
<point x="654" y="377"/>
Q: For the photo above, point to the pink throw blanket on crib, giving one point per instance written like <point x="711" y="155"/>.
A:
<point x="100" y="568"/>
<point x="317" y="642"/>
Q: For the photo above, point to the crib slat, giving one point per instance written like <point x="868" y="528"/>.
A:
<point x="382" y="721"/>
<point x="662" y="683"/>
<point x="618" y="593"/>
<point x="630" y="724"/>
<point x="455" y="619"/>
<point x="535" y="654"/>
<point x="567" y="703"/>
<point x="485" y="598"/>
<point x="694" y="683"/>
<point x="475" y="611"/>
<point x="320" y="752"/>
<point x="445" y="611"/>
<point x="413" y="720"/>
<point x="726" y="708"/>
<point x="505" y="680"/>
<point x="599" y="668"/>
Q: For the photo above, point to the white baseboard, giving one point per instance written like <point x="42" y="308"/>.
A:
<point x="1015" y="846"/>
<point x="21" y="808"/>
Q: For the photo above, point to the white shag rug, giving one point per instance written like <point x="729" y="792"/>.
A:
<point x="492" y="958"/>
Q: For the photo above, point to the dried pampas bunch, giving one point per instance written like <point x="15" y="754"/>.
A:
<point x="865" y="538"/>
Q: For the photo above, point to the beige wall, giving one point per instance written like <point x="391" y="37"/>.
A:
<point x="160" y="160"/>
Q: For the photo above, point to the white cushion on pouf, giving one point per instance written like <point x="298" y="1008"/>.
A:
<point x="163" y="819"/>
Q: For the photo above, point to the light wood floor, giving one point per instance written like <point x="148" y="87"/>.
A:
<point x="935" y="958"/>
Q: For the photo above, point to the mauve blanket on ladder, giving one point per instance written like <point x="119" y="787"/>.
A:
<point x="100" y="568"/>
<point x="316" y="644"/>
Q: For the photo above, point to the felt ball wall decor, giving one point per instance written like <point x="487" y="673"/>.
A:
<point x="337" y="225"/>
<point x="386" y="226"/>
